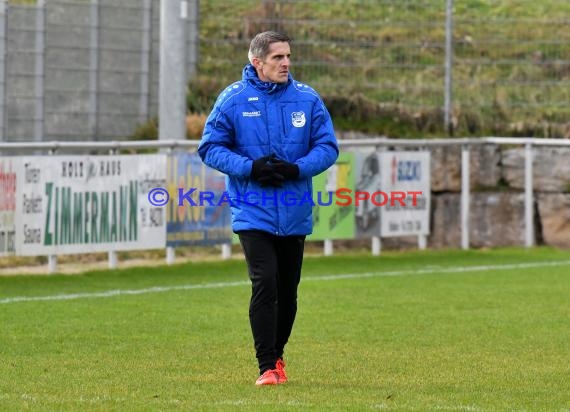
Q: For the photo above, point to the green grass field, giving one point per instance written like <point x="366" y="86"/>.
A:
<point x="432" y="330"/>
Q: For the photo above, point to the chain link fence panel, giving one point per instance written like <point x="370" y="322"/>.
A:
<point x="88" y="69"/>
<point x="510" y="60"/>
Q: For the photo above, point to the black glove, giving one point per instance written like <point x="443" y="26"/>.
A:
<point x="275" y="180"/>
<point x="262" y="172"/>
<point x="288" y="170"/>
<point x="260" y="168"/>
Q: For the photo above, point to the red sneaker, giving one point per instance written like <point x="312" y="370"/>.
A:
<point x="280" y="368"/>
<point x="269" y="377"/>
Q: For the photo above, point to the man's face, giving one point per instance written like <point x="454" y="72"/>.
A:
<point x="275" y="67"/>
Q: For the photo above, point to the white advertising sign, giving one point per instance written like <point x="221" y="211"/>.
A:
<point x="8" y="178"/>
<point x="405" y="203"/>
<point x="85" y="204"/>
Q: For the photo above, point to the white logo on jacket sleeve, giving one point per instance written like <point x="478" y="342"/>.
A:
<point x="298" y="119"/>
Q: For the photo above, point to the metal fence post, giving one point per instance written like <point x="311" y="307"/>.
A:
<point x="112" y="256"/>
<point x="422" y="242"/>
<point x="39" y="93"/>
<point x="328" y="247"/>
<point x="528" y="196"/>
<point x="465" y="196"/>
<point x="172" y="83"/>
<point x="376" y="246"/>
<point x="170" y="250"/>
<point x="145" y="61"/>
<point x="447" y="126"/>
<point x="52" y="259"/>
<point x="226" y="251"/>
<point x="193" y="36"/>
<point x="377" y="240"/>
<point x="94" y="70"/>
<point x="3" y="12"/>
<point x="170" y="255"/>
<point x="112" y="259"/>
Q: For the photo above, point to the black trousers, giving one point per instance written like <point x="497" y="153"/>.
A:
<point x="274" y="265"/>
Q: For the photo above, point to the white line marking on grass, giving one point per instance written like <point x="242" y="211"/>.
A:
<point x="118" y="292"/>
<point x="161" y="289"/>
<point x="427" y="271"/>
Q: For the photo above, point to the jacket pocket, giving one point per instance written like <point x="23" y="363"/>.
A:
<point x="296" y="125"/>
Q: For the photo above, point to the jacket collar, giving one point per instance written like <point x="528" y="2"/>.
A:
<point x="250" y="75"/>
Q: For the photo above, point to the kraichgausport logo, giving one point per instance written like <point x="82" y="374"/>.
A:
<point x="341" y="197"/>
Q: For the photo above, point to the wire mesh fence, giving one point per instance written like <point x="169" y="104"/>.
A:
<point x="510" y="60"/>
<point x="78" y="70"/>
<point x="514" y="65"/>
<point x="88" y="69"/>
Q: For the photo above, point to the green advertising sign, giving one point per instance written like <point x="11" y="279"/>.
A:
<point x="333" y="190"/>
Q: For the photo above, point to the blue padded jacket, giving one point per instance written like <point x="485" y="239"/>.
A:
<point x="252" y="119"/>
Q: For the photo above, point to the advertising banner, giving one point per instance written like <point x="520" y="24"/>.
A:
<point x="367" y="178"/>
<point x="333" y="213"/>
<point x="8" y="179"/>
<point x="85" y="204"/>
<point x="405" y="193"/>
<point x="196" y="212"/>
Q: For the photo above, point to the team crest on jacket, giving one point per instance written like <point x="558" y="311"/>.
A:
<point x="298" y="119"/>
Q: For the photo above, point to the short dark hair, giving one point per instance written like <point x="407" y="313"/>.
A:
<point x="259" y="46"/>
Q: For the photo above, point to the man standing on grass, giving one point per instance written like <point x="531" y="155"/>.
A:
<point x="270" y="135"/>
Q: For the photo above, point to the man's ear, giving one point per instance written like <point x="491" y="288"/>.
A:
<point x="257" y="63"/>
